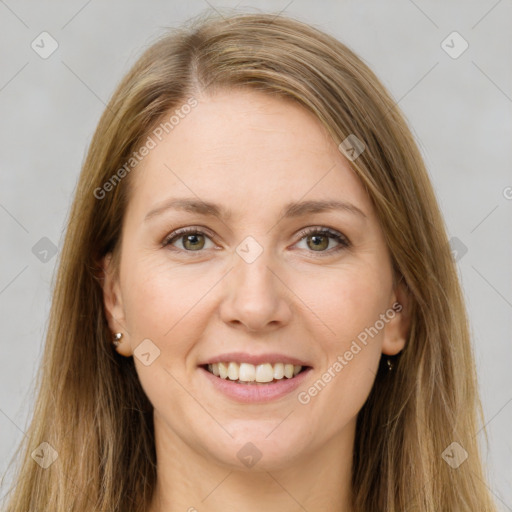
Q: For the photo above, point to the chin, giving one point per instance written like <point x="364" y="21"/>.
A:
<point x="260" y="449"/>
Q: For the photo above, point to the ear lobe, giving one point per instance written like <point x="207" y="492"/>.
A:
<point x="112" y="296"/>
<point x="397" y="329"/>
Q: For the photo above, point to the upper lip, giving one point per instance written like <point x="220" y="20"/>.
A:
<point x="242" y="357"/>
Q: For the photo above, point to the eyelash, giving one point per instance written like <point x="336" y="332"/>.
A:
<point x="343" y="241"/>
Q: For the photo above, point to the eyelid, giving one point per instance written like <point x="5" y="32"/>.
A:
<point x="343" y="241"/>
<point x="177" y="233"/>
<point x="325" y="230"/>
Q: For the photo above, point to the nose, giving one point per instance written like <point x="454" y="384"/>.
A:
<point x="256" y="297"/>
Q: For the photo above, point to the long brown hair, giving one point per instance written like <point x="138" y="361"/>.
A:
<point x="91" y="408"/>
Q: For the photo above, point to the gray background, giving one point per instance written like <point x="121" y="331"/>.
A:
<point x="459" y="110"/>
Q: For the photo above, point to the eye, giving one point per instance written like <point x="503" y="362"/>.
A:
<point x="318" y="239"/>
<point x="192" y="239"/>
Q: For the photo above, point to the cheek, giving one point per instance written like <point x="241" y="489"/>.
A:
<point x="160" y="298"/>
<point x="345" y="300"/>
<point x="164" y="303"/>
<point x="348" y="307"/>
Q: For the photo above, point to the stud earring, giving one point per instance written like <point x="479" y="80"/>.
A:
<point x="117" y="337"/>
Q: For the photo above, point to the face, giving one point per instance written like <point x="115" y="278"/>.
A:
<point x="258" y="281"/>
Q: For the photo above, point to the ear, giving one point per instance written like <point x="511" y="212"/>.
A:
<point x="113" y="301"/>
<point x="397" y="328"/>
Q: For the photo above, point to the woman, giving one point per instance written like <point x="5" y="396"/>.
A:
<point x="256" y="305"/>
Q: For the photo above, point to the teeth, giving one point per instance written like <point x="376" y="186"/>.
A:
<point x="233" y="371"/>
<point x="264" y="373"/>
<point x="223" y="370"/>
<point x="278" y="371"/>
<point x="246" y="372"/>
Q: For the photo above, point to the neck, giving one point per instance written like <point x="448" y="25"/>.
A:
<point x="314" y="481"/>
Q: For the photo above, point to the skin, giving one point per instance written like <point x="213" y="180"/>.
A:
<point x="251" y="153"/>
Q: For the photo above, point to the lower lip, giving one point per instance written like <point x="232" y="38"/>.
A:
<point x="256" y="393"/>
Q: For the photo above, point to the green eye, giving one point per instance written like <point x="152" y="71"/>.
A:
<point x="318" y="240"/>
<point x="193" y="240"/>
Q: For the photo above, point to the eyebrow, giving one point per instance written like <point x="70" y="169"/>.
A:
<point x="290" y="210"/>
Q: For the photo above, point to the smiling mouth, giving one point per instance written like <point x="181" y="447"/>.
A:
<point x="246" y="373"/>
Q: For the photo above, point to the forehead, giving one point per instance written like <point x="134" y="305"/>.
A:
<point x="248" y="151"/>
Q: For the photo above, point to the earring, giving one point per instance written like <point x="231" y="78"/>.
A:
<point x="390" y="364"/>
<point x="117" y="337"/>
